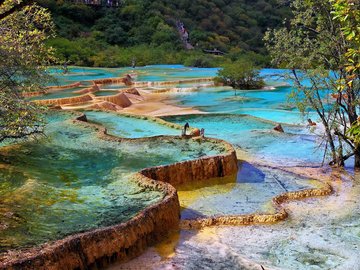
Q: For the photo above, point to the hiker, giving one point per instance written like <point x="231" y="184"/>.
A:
<point x="65" y="68"/>
<point x="133" y="63"/>
<point x="186" y="126"/>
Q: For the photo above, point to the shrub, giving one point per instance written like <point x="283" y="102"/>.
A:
<point x="241" y="74"/>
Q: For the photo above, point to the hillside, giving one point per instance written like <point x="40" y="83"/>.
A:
<point x="89" y="34"/>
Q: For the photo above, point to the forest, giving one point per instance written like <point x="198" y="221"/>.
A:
<point x="145" y="30"/>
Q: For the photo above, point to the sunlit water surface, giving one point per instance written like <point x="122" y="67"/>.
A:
<point x="71" y="181"/>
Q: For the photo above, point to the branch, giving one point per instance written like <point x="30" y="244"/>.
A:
<point x="310" y="29"/>
<point x="337" y="132"/>
<point x="15" y="8"/>
<point x="344" y="158"/>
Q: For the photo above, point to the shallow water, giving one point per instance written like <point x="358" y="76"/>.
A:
<point x="71" y="181"/>
<point x="294" y="147"/>
<point x="113" y="87"/>
<point x="146" y="73"/>
<point x="130" y="127"/>
<point x="250" y="191"/>
<point x="103" y="93"/>
<point x="172" y="73"/>
<point x="270" y="105"/>
<point x="62" y="176"/>
<point x="59" y="94"/>
<point x="79" y="74"/>
<point x="321" y="233"/>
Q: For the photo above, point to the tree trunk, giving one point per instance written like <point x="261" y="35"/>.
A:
<point x="357" y="156"/>
<point x="329" y="138"/>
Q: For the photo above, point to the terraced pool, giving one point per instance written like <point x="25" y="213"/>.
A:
<point x="71" y="181"/>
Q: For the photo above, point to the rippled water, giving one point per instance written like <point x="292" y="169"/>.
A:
<point x="130" y="127"/>
<point x="250" y="191"/>
<point x="255" y="136"/>
<point x="70" y="181"/>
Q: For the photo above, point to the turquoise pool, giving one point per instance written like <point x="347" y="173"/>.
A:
<point x="294" y="147"/>
<point x="71" y="181"/>
<point x="130" y="127"/>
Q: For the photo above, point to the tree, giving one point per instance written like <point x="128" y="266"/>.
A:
<point x="241" y="74"/>
<point x="315" y="47"/>
<point x="348" y="14"/>
<point x="23" y="61"/>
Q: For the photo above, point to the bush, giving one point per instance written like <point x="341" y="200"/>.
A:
<point x="241" y="74"/>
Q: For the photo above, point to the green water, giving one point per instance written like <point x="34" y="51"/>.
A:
<point x="60" y="94"/>
<point x="146" y="73"/>
<point x="71" y="181"/>
<point x="103" y="93"/>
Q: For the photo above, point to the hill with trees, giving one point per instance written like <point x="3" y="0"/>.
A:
<point x="145" y="29"/>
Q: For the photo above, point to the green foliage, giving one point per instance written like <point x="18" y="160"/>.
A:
<point x="198" y="59"/>
<point x="354" y="132"/>
<point x="23" y="62"/>
<point x="347" y="13"/>
<point x="211" y="24"/>
<point x="241" y="74"/>
<point x="315" y="45"/>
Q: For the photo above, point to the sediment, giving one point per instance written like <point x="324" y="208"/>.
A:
<point x="132" y="91"/>
<point x="104" y="106"/>
<point x="50" y="89"/>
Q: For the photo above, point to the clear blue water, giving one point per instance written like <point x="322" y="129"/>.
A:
<point x="130" y="127"/>
<point x="79" y="74"/>
<point x="250" y="191"/>
<point x="271" y="105"/>
<point x="71" y="181"/>
<point x="245" y="120"/>
<point x="255" y="136"/>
